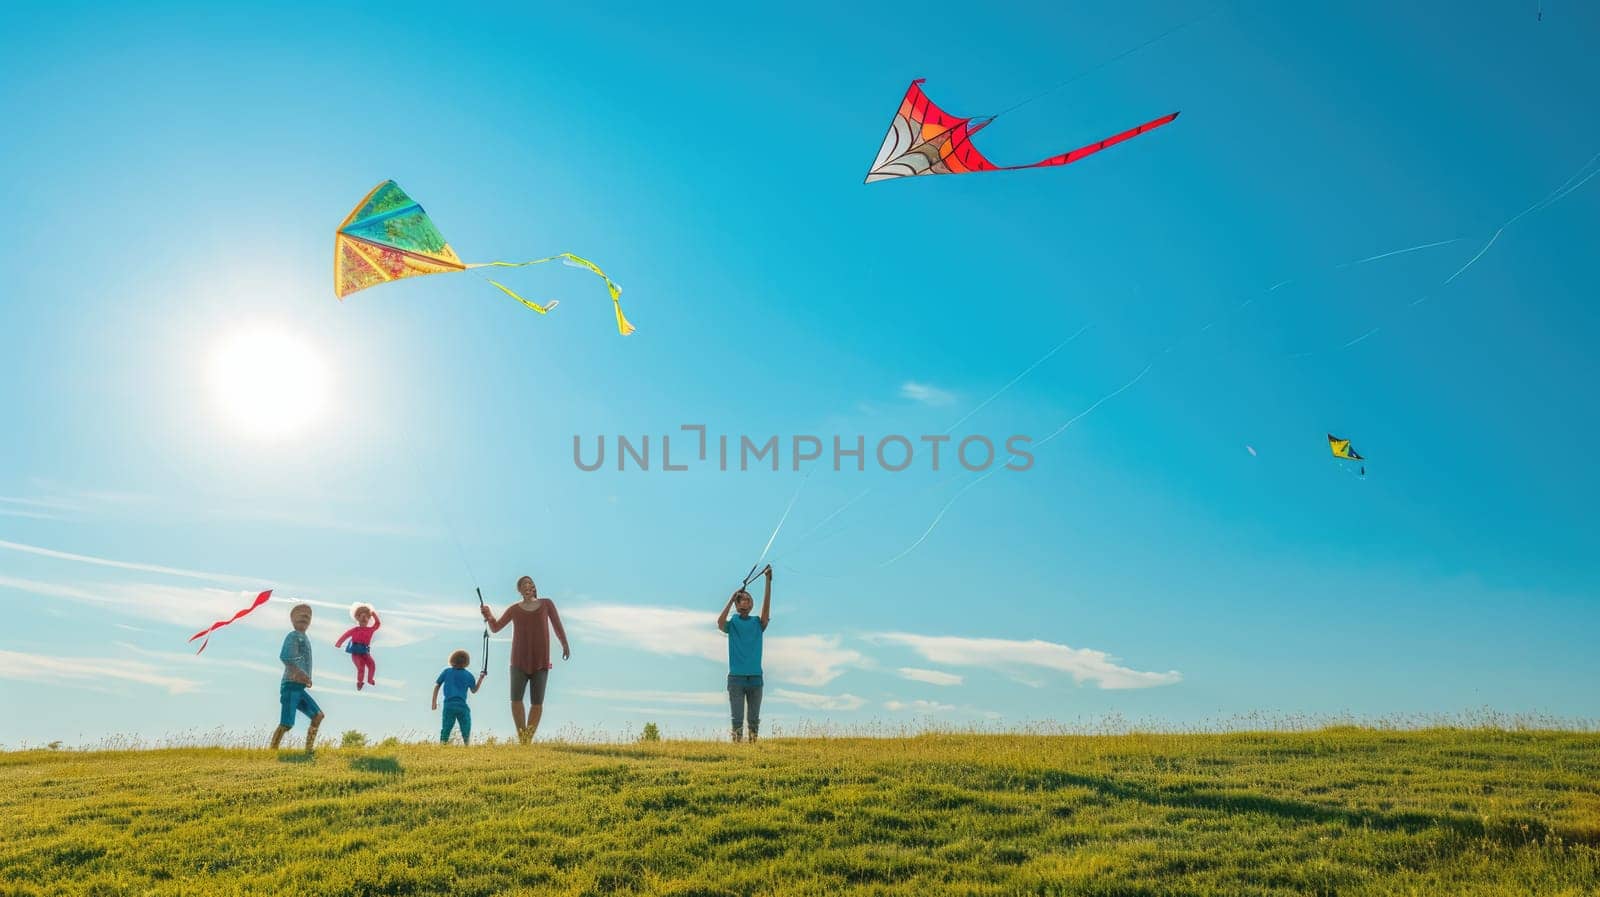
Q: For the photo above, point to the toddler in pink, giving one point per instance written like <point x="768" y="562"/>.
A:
<point x="360" y="647"/>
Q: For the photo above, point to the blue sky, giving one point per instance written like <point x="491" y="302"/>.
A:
<point x="174" y="176"/>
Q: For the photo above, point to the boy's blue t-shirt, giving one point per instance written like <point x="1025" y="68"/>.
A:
<point x="296" y="650"/>
<point x="744" y="646"/>
<point x="457" y="683"/>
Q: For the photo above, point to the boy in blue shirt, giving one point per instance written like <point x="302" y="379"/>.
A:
<point x="457" y="681"/>
<point x="292" y="697"/>
<point x="744" y="655"/>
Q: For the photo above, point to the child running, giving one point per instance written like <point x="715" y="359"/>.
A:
<point x="457" y="681"/>
<point x="292" y="697"/>
<point x="744" y="655"/>
<point x="532" y="619"/>
<point x="360" y="647"/>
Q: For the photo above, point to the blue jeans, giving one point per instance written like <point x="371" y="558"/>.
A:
<point x="292" y="697"/>
<point x="456" y="711"/>
<point x="745" y="691"/>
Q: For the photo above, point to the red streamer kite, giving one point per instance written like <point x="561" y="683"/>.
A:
<point x="924" y="139"/>
<point x="260" y="600"/>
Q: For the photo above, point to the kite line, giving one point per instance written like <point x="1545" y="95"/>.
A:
<point x="1588" y="171"/>
<point x="1100" y="65"/>
<point x="755" y="569"/>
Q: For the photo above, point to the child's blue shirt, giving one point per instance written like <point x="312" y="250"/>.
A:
<point x="457" y="683"/>
<point x="296" y="650"/>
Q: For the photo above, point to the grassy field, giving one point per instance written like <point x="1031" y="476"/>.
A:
<point x="1339" y="811"/>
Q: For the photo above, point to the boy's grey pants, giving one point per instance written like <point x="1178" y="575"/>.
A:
<point x="745" y="691"/>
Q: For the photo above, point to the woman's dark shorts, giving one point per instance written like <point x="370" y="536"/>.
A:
<point x="522" y="681"/>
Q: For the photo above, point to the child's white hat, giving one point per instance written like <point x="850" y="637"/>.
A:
<point x="356" y="608"/>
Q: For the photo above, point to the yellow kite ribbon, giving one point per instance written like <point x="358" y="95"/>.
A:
<point x="623" y="327"/>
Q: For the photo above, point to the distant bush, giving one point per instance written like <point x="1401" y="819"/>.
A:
<point x="651" y="733"/>
<point x="389" y="742"/>
<point x="353" y="739"/>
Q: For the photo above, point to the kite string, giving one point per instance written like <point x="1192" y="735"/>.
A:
<point x="751" y="576"/>
<point x="804" y="537"/>
<point x="1025" y="372"/>
<point x="1571" y="184"/>
<point x="939" y="517"/>
<point x="1100" y="65"/>
<point x="438" y="508"/>
<point x="1574" y="182"/>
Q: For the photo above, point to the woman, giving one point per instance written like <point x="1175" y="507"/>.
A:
<point x="531" y="620"/>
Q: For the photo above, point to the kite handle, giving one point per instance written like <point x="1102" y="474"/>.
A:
<point x="754" y="574"/>
<point x="481" y="604"/>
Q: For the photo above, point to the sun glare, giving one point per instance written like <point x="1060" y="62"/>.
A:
<point x="268" y="383"/>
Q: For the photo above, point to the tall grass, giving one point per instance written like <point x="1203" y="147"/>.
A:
<point x="1483" y="719"/>
<point x="1344" y="810"/>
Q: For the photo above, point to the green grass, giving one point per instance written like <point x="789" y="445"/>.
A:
<point x="1337" y="811"/>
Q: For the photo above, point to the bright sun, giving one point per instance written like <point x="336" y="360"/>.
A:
<point x="269" y="383"/>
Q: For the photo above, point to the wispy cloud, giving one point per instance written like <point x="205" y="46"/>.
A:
<point x="806" y="699"/>
<point x="51" y="504"/>
<point x="1082" y="664"/>
<point x="329" y="682"/>
<point x="918" y="706"/>
<point x="404" y="624"/>
<point x="814" y="701"/>
<point x="90" y="673"/>
<point x="926" y="393"/>
<point x="235" y="511"/>
<point x="124" y="565"/>
<point x="651" y="695"/>
<point x="27" y="515"/>
<point x="675" y="711"/>
<point x="932" y="677"/>
<point x="367" y="694"/>
<point x="192" y="660"/>
<point x="192" y="608"/>
<point x="70" y="497"/>
<point x="811" y="660"/>
<point x="80" y="502"/>
<point x="53" y="497"/>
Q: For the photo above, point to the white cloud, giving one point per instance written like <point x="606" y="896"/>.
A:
<point x="123" y="565"/>
<point x="926" y="393"/>
<point x="37" y="503"/>
<point x="193" y="608"/>
<point x="661" y="697"/>
<point x="91" y="673"/>
<point x="367" y="694"/>
<point x="806" y="699"/>
<point x="74" y="499"/>
<point x="256" y="512"/>
<point x="189" y="657"/>
<point x="674" y="711"/>
<point x="30" y="515"/>
<point x="1082" y="664"/>
<point x="812" y="660"/>
<point x="932" y="677"/>
<point x="814" y="701"/>
<point x="918" y="706"/>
